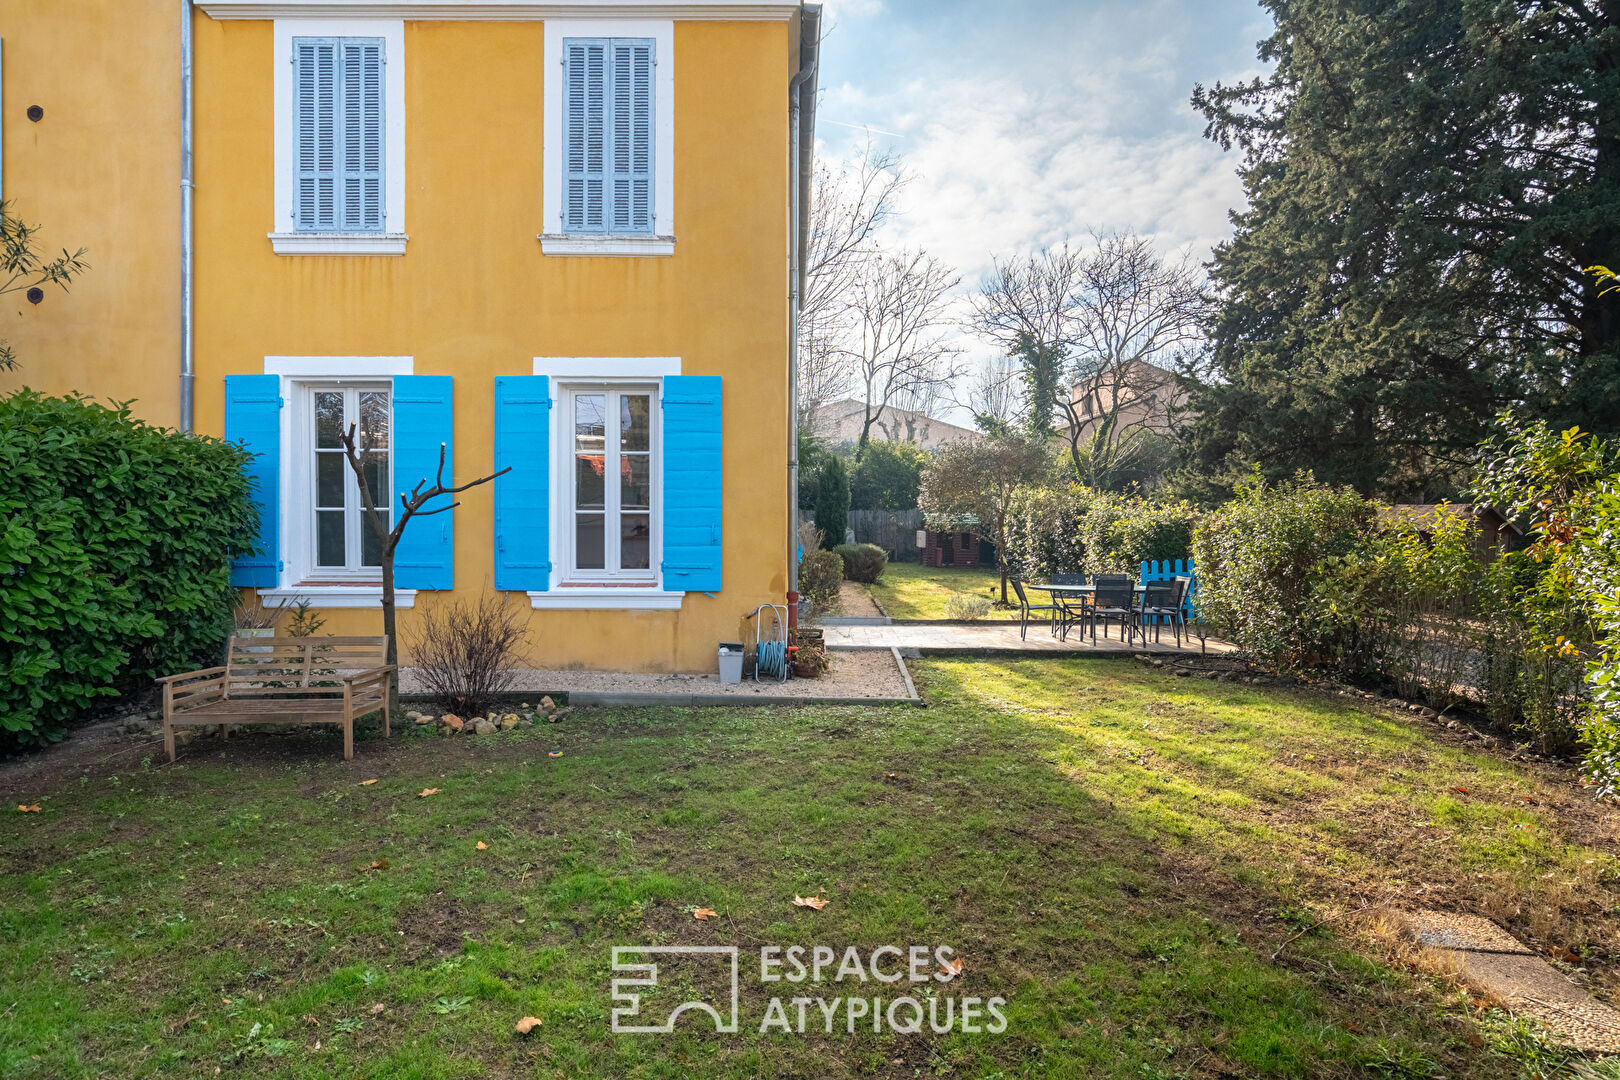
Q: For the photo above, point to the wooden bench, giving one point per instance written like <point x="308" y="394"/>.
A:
<point x="283" y="680"/>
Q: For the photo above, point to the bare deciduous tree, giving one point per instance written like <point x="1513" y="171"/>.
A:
<point x="993" y="396"/>
<point x="847" y="207"/>
<point x="411" y="506"/>
<point x="1109" y="319"/>
<point x="898" y="346"/>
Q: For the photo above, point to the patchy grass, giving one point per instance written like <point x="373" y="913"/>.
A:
<point x="1116" y="852"/>
<point x="910" y="591"/>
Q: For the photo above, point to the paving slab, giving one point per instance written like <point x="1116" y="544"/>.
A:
<point x="1492" y="961"/>
<point x="991" y="639"/>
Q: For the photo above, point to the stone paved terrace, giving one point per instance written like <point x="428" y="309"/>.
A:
<point x="1001" y="638"/>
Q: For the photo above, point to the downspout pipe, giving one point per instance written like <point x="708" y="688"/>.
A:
<point x="187" y="373"/>
<point x="802" y="107"/>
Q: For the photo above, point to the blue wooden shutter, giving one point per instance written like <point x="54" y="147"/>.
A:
<point x="362" y="135"/>
<point x="315" y="113"/>
<point x="523" y="496"/>
<point x="584" y="133"/>
<point x="632" y="135"/>
<point x="423" y="419"/>
<point x="692" y="492"/>
<point x="253" y="418"/>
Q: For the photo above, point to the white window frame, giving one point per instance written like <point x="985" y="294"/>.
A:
<point x="284" y="238"/>
<point x="553" y="240"/>
<point x="563" y="507"/>
<point x="303" y="482"/>
<point x="299" y="375"/>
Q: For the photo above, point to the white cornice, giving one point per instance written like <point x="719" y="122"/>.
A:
<point x="501" y="10"/>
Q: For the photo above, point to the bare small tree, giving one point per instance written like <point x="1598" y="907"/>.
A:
<point x="898" y="346"/>
<point x="847" y="207"/>
<point x="411" y="506"/>
<point x="993" y="396"/>
<point x="23" y="267"/>
<point x="970" y="485"/>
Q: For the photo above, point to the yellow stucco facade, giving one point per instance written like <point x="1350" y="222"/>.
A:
<point x="473" y="297"/>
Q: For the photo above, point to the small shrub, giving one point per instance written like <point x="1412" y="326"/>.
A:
<point x="305" y="621"/>
<point x="863" y="562"/>
<point x="966" y="606"/>
<point x="820" y="575"/>
<point x="465" y="653"/>
<point x="832" y="501"/>
<point x="116" y="539"/>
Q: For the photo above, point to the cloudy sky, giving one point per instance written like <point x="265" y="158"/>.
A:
<point x="1024" y="122"/>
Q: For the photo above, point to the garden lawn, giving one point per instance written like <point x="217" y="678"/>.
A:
<point x="910" y="591"/>
<point x="1116" y="852"/>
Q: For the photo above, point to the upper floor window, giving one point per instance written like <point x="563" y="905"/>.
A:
<point x="609" y="122"/>
<point x="338" y="111"/>
<point x="608" y="113"/>
<point x="339" y="137"/>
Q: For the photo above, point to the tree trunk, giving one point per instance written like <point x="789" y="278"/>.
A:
<point x="390" y="626"/>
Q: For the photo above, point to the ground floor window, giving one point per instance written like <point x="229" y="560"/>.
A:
<point x="611" y="498"/>
<point x="340" y="542"/>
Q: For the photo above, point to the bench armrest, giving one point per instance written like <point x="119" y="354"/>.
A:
<point x="190" y="675"/>
<point x="369" y="676"/>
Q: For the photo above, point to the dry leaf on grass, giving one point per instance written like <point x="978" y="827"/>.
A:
<point x="28" y="809"/>
<point x="705" y="913"/>
<point x="952" y="969"/>
<point x="363" y="783"/>
<point x="527" y="1024"/>
<point x="377" y="1008"/>
<point x="380" y="864"/>
<point x="482" y="846"/>
<point x="1463" y="790"/>
<point x="810" y="902"/>
<point x="891" y="776"/>
<point x="427" y="791"/>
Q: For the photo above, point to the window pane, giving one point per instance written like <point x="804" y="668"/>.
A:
<point x="375" y="466"/>
<point x="588" y="545"/>
<point x="374" y="419"/>
<point x="635" y="484"/>
<point x="329" y="470"/>
<point x="329" y="546"/>
<point x="634" y="426"/>
<point x="370" y="546"/>
<point x="590" y="422"/>
<point x="635" y="542"/>
<point x="328" y="419"/>
<point x="588" y="482"/>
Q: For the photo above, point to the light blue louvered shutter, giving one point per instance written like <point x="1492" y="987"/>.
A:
<point x="692" y="487"/>
<point x="632" y="136"/>
<point x="362" y="120"/>
<point x="523" y="496"/>
<point x="253" y="418"/>
<point x="315" y="113"/>
<point x="584" y="133"/>
<point x="423" y="419"/>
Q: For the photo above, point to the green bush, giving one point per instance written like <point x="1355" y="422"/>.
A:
<point x="115" y="546"/>
<point x="887" y="476"/>
<point x="966" y="606"/>
<point x="1279" y="569"/>
<point x="832" y="501"/>
<point x="821" y="572"/>
<point x="1079" y="530"/>
<point x="863" y="562"/>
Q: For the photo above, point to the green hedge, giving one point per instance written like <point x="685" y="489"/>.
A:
<point x="115" y="545"/>
<point x="1080" y="530"/>
<point x="864" y="563"/>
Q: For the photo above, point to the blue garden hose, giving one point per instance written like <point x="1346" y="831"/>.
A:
<point x="772" y="659"/>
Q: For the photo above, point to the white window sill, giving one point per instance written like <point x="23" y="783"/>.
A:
<point x="606" y="599"/>
<point x="576" y="244"/>
<point x="337" y="596"/>
<point x="312" y="243"/>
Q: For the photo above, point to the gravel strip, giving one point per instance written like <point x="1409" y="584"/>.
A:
<point x="871" y="674"/>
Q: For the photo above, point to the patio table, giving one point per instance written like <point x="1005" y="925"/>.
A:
<point x="1076" y="592"/>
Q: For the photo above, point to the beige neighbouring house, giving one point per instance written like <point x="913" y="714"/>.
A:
<point x="1147" y="397"/>
<point x="839" y="423"/>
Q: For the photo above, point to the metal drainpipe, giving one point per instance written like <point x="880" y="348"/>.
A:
<point x="800" y="165"/>
<point x="187" y="374"/>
